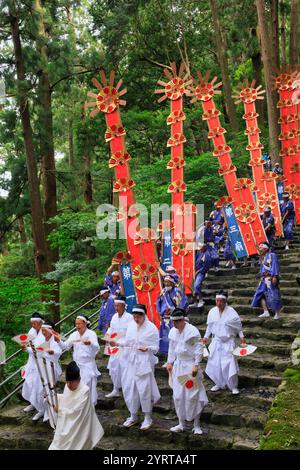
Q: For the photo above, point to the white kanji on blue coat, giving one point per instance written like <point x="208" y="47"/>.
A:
<point x="126" y="271"/>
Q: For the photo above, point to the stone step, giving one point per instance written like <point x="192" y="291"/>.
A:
<point x="253" y="397"/>
<point x="291" y="321"/>
<point x="213" y="437"/>
<point x="276" y="335"/>
<point x="247" y="309"/>
<point x="251" y="283"/>
<point x="233" y="292"/>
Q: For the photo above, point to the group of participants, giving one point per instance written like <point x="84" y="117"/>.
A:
<point x="139" y="341"/>
<point x="133" y="370"/>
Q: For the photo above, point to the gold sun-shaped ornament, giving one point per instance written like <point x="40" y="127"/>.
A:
<point x="284" y="79"/>
<point x="108" y="98"/>
<point x="247" y="93"/>
<point x="203" y="89"/>
<point x="177" y="85"/>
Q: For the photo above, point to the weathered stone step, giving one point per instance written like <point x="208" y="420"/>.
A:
<point x="289" y="291"/>
<point x="255" y="398"/>
<point x="213" y="437"/>
<point x="291" y="321"/>
<point x="247" y="309"/>
<point x="258" y="377"/>
<point x="277" y="335"/>
<point x="251" y="283"/>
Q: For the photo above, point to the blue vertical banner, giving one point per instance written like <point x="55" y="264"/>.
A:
<point x="166" y="259"/>
<point x="234" y="233"/>
<point x="128" y="285"/>
<point x="280" y="190"/>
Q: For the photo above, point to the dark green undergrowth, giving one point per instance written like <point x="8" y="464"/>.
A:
<point x="282" y="430"/>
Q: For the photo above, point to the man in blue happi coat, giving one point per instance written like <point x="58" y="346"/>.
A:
<point x="210" y="240"/>
<point x="269" y="225"/>
<point x="170" y="298"/>
<point x="287" y="209"/>
<point x="267" y="294"/>
<point x="112" y="282"/>
<point x="229" y="255"/>
<point x="203" y="263"/>
<point x="107" y="309"/>
<point x="217" y="219"/>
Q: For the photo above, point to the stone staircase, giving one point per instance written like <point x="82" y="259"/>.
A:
<point x="228" y="422"/>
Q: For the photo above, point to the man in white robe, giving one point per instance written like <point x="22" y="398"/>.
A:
<point x="51" y="353"/>
<point x="31" y="390"/>
<point x="85" y="347"/>
<point x="223" y="323"/>
<point x="46" y="348"/>
<point x="184" y="357"/>
<point x="139" y="386"/>
<point x="119" y="324"/>
<point x="78" y="427"/>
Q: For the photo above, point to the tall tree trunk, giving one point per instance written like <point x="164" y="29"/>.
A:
<point x="257" y="66"/>
<point x="38" y="233"/>
<point x="283" y="33"/>
<point x="47" y="148"/>
<point x="268" y="72"/>
<point x="294" y="36"/>
<point x="221" y="48"/>
<point x="22" y="231"/>
<point x="87" y="184"/>
<point x="71" y="144"/>
<point x="275" y="33"/>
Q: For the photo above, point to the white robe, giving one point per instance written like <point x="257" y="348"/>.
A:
<point x="116" y="364"/>
<point x="138" y="382"/>
<point x="185" y="351"/>
<point x="222" y="366"/>
<point x="78" y="427"/>
<point x="32" y="389"/>
<point x="84" y="356"/>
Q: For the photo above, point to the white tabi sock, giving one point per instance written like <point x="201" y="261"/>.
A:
<point x="197" y="421"/>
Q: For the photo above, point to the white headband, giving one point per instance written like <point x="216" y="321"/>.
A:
<point x="119" y="301"/>
<point x="115" y="273"/>
<point x="221" y="296"/>
<point x="140" y="310"/>
<point x="47" y="326"/>
<point x="82" y="318"/>
<point x="103" y="291"/>
<point x="177" y="318"/>
<point x="170" y="279"/>
<point x="263" y="245"/>
<point x="36" y="319"/>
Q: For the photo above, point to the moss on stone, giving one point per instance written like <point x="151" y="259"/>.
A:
<point x="282" y="430"/>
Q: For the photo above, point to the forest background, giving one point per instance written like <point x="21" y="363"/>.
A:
<point x="53" y="158"/>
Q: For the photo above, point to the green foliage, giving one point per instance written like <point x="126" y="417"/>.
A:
<point x="282" y="430"/>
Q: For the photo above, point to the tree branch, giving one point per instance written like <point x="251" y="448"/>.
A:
<point x="156" y="63"/>
<point x="71" y="75"/>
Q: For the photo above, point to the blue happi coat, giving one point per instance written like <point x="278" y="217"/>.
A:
<point x="218" y="222"/>
<point x="228" y="252"/>
<point x="210" y="239"/>
<point x="168" y="300"/>
<point x="203" y="263"/>
<point x="107" y="311"/>
<point x="113" y="288"/>
<point x="289" y="222"/>
<point x="266" y="220"/>
<point x="269" y="268"/>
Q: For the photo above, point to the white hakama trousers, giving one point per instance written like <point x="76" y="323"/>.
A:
<point x="32" y="390"/>
<point x="89" y="375"/>
<point x="139" y="390"/>
<point x="115" y="371"/>
<point x="222" y="367"/>
<point x="189" y="403"/>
